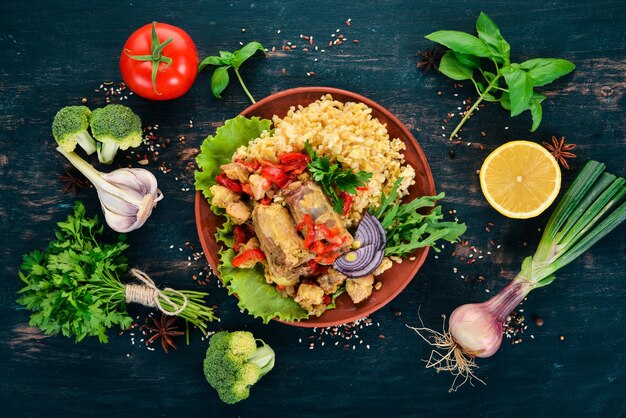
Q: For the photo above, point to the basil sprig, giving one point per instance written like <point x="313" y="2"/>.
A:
<point x="226" y="60"/>
<point x="510" y="84"/>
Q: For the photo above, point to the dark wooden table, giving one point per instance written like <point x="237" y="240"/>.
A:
<point x="56" y="53"/>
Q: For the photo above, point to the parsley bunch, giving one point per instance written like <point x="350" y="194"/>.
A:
<point x="331" y="176"/>
<point x="73" y="288"/>
<point x="510" y="84"/>
<point x="407" y="229"/>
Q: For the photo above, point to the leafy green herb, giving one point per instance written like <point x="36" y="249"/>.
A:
<point x="73" y="288"/>
<point x="254" y="294"/>
<point x="226" y="60"/>
<point x="219" y="149"/>
<point x="332" y="175"/>
<point x="513" y="82"/>
<point x="407" y="229"/>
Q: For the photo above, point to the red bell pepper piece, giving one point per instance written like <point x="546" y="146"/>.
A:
<point x="240" y="237"/>
<point x="290" y="157"/>
<point x="274" y="175"/>
<point x="249" y="258"/>
<point x="307" y="223"/>
<point x="326" y="300"/>
<point x="246" y="188"/>
<point x="362" y="188"/>
<point x="347" y="202"/>
<point x="233" y="185"/>
<point x="294" y="163"/>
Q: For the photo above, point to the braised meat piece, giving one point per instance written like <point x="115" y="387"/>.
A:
<point x="311" y="298"/>
<point x="237" y="171"/>
<point x="360" y="289"/>
<point x="259" y="186"/>
<point x="307" y="197"/>
<point x="286" y="256"/>
<point x="231" y="202"/>
<point x="331" y="281"/>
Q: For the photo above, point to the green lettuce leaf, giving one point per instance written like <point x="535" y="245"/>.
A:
<point x="217" y="150"/>
<point x="256" y="296"/>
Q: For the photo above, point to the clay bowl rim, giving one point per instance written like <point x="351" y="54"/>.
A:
<point x="416" y="264"/>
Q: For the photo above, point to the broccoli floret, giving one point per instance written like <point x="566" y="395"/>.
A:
<point x="234" y="363"/>
<point x="69" y="128"/>
<point x="115" y="127"/>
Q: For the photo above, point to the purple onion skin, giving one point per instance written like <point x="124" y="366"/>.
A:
<point x="477" y="327"/>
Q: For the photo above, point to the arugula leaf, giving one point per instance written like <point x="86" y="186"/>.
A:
<point x="226" y="60"/>
<point x="331" y="176"/>
<point x="219" y="149"/>
<point x="255" y="295"/>
<point x="407" y="229"/>
<point x="514" y="83"/>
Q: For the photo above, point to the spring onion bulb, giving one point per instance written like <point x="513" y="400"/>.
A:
<point x="591" y="208"/>
<point x="127" y="195"/>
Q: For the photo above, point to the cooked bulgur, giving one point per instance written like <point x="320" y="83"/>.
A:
<point x="345" y="132"/>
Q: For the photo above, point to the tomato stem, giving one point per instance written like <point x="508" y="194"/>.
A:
<point x="244" y="86"/>
<point x="156" y="55"/>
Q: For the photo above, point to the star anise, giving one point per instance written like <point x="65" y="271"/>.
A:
<point x="429" y="59"/>
<point x="165" y="329"/>
<point x="560" y="150"/>
<point x="72" y="182"/>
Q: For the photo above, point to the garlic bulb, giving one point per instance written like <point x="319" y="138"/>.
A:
<point x="127" y="195"/>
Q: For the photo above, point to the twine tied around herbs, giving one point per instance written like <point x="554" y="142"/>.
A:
<point x="148" y="294"/>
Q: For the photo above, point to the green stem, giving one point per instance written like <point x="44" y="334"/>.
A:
<point x="244" y="86"/>
<point x="474" y="107"/>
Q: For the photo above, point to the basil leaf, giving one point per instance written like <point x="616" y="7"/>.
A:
<point x="536" y="113"/>
<point x="489" y="33"/>
<point x="460" y="42"/>
<point x="246" y="52"/>
<point x="520" y="89"/>
<point x="451" y="67"/>
<point x="488" y="76"/>
<point x="219" y="81"/>
<point x="467" y="60"/>
<point x="227" y="57"/>
<point x="212" y="60"/>
<point x="546" y="70"/>
<point x="536" y="110"/>
<point x="505" y="100"/>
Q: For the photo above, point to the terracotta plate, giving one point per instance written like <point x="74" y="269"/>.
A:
<point x="395" y="279"/>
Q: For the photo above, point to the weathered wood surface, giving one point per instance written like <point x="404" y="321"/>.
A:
<point x="55" y="53"/>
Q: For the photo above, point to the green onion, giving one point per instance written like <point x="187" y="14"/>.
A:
<point x="591" y="208"/>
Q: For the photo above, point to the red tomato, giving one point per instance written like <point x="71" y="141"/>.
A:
<point x="174" y="54"/>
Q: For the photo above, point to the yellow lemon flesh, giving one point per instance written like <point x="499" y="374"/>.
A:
<point x="520" y="179"/>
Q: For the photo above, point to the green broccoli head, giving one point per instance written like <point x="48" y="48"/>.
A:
<point x="69" y="128"/>
<point x="115" y="127"/>
<point x="234" y="363"/>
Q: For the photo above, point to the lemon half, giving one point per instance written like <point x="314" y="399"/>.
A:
<point x="520" y="179"/>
